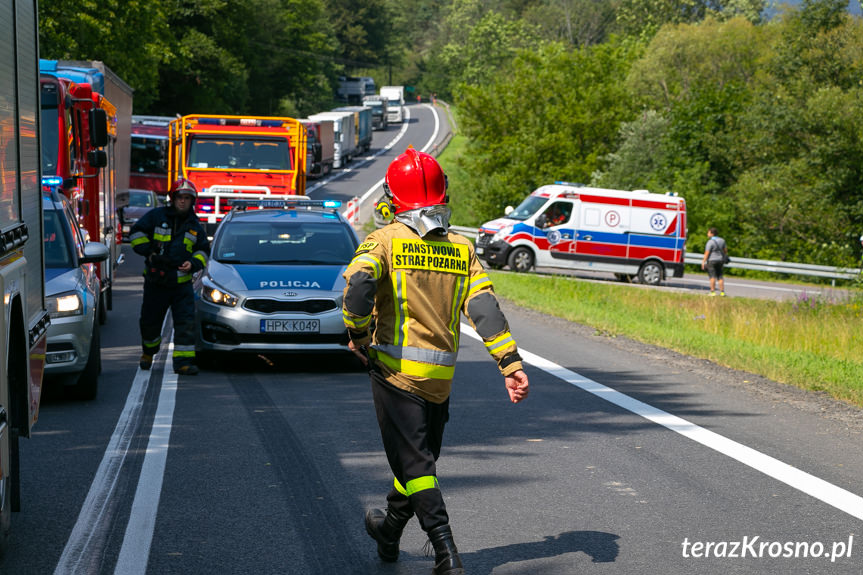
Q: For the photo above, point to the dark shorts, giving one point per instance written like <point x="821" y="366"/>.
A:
<point x="714" y="269"/>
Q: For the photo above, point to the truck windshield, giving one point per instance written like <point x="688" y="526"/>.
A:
<point x="240" y="153"/>
<point x="149" y="155"/>
<point x="527" y="208"/>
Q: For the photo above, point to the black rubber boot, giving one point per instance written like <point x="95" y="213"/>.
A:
<point x="386" y="529"/>
<point x="446" y="559"/>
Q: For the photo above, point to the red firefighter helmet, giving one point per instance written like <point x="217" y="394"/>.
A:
<point x="415" y="180"/>
<point x="184" y="186"/>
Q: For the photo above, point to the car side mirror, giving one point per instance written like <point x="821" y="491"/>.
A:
<point x="541" y="220"/>
<point x="94" y="252"/>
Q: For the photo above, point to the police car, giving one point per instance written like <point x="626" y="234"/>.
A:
<point x="274" y="279"/>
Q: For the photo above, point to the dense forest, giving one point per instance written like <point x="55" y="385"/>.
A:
<point x="756" y="120"/>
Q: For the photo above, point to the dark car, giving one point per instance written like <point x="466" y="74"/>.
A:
<point x="140" y="202"/>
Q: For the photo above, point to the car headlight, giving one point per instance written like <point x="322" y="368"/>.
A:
<point x="501" y="234"/>
<point x="65" y="304"/>
<point x="218" y="296"/>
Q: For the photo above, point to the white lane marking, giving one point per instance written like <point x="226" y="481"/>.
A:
<point x="135" y="551"/>
<point x="81" y="547"/>
<point x="833" y="495"/>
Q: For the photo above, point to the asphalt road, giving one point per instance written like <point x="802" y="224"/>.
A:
<point x="624" y="459"/>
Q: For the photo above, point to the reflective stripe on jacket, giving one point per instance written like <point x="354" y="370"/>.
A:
<point x="415" y="289"/>
<point x="175" y="237"/>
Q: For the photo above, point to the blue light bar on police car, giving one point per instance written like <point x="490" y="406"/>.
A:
<point x="240" y="122"/>
<point x="288" y="202"/>
<point x="52" y="181"/>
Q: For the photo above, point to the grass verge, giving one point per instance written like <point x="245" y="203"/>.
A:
<point x="810" y="343"/>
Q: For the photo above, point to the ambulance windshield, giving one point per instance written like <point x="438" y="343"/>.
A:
<point x="527" y="208"/>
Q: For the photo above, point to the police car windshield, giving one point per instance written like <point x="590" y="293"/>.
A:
<point x="304" y="243"/>
<point x="527" y="208"/>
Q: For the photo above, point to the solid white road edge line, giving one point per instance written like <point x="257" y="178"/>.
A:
<point x="135" y="551"/>
<point x="92" y="517"/>
<point x="818" y="488"/>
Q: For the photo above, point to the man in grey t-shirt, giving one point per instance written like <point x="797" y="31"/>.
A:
<point x="715" y="252"/>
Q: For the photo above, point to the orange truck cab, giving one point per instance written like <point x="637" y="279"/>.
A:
<point x="237" y="157"/>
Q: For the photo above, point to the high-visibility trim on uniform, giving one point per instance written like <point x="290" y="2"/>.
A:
<point x="401" y="307"/>
<point x="371" y="260"/>
<point x="415" y="368"/>
<point x="181" y="353"/>
<point x="201" y="257"/>
<point x="183" y="277"/>
<point x="481" y="281"/>
<point x="190" y="244"/>
<point x="162" y="237"/>
<point x="455" y="312"/>
<point x="433" y="356"/>
<point x="139" y="238"/>
<point x="499" y="342"/>
<point x="358" y="323"/>
<point x="153" y="343"/>
<point x="399" y="488"/>
<point x="421" y="484"/>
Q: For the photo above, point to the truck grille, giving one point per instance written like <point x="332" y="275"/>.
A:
<point x="267" y="305"/>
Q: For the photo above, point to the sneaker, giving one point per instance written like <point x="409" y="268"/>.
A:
<point x="187" y="370"/>
<point x="146" y="361"/>
<point x="713" y="294"/>
<point x="722" y="293"/>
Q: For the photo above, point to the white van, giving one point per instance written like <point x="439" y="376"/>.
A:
<point x="576" y="227"/>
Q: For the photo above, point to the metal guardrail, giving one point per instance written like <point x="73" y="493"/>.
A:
<point x="749" y="264"/>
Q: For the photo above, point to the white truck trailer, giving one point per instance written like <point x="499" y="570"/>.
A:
<point x="395" y="96"/>
<point x="344" y="133"/>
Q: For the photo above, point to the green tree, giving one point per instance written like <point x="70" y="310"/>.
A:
<point x="130" y="36"/>
<point x="548" y="116"/>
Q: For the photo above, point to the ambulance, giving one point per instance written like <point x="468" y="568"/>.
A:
<point x="564" y="225"/>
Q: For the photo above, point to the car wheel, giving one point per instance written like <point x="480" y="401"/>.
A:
<point x="650" y="273"/>
<point x="88" y="382"/>
<point x="520" y="260"/>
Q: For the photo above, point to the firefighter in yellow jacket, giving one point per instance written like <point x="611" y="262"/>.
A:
<point x="413" y="279"/>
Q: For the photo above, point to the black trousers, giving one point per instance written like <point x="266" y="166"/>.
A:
<point x="412" y="432"/>
<point x="181" y="301"/>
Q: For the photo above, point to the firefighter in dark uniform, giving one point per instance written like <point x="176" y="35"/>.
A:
<point x="415" y="278"/>
<point x="175" y="246"/>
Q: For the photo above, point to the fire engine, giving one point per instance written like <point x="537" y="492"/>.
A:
<point x="86" y="116"/>
<point x="231" y="157"/>
<point x="150" y="154"/>
<point x="24" y="321"/>
<point x="576" y="227"/>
